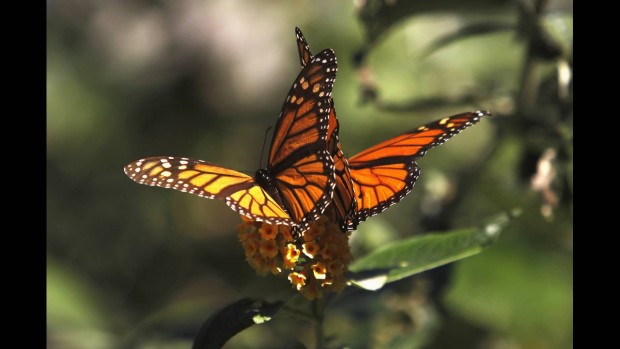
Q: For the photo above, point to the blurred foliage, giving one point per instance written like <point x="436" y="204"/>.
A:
<point x="137" y="267"/>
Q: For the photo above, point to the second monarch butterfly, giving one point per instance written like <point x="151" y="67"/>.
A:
<point x="380" y="176"/>
<point x="298" y="182"/>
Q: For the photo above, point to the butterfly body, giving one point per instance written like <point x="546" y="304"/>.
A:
<point x="264" y="178"/>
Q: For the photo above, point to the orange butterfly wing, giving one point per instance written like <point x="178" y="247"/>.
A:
<point x="344" y="197"/>
<point x="380" y="176"/>
<point x="303" y="170"/>
<point x="209" y="181"/>
<point x="384" y="174"/>
<point x="344" y="200"/>
<point x="297" y="184"/>
<point x="302" y="48"/>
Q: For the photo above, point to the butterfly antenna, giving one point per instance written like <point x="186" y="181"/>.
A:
<point x="264" y="143"/>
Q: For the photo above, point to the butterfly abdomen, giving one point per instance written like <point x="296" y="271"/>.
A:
<point x="264" y="178"/>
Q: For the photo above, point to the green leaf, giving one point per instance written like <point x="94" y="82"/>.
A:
<point x="234" y="318"/>
<point x="415" y="255"/>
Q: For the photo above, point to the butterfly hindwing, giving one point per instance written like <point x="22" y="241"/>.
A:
<point x="304" y="183"/>
<point x="380" y="185"/>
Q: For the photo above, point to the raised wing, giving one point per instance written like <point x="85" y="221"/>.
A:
<point x="302" y="47"/>
<point x="302" y="125"/>
<point x="344" y="197"/>
<point x="303" y="170"/>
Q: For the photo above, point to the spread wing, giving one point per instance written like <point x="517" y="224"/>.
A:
<point x="211" y="181"/>
<point x="384" y="174"/>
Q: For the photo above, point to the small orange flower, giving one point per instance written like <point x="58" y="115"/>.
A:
<point x="268" y="231"/>
<point x="297" y="279"/>
<point x="330" y="251"/>
<point x="246" y="230"/>
<point x="258" y="263"/>
<point x="315" y="229"/>
<point x="268" y="248"/>
<point x="310" y="249"/>
<point x="272" y="248"/>
<point x="291" y="256"/>
<point x="319" y="271"/>
<point x="243" y="236"/>
<point x="286" y="233"/>
<point x="250" y="247"/>
<point x="270" y="265"/>
<point x="335" y="267"/>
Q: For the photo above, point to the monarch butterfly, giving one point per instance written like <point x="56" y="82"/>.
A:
<point x="378" y="177"/>
<point x="298" y="182"/>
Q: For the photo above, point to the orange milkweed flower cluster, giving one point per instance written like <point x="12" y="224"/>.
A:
<point x="315" y="262"/>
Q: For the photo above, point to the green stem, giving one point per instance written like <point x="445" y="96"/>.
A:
<point x="318" y="308"/>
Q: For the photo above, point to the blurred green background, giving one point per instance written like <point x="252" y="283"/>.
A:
<point x="130" y="266"/>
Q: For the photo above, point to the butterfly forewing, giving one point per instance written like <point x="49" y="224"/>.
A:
<point x="384" y="174"/>
<point x="304" y="115"/>
<point x="413" y="144"/>
<point x="304" y="176"/>
<point x="302" y="47"/>
<point x="211" y="181"/>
